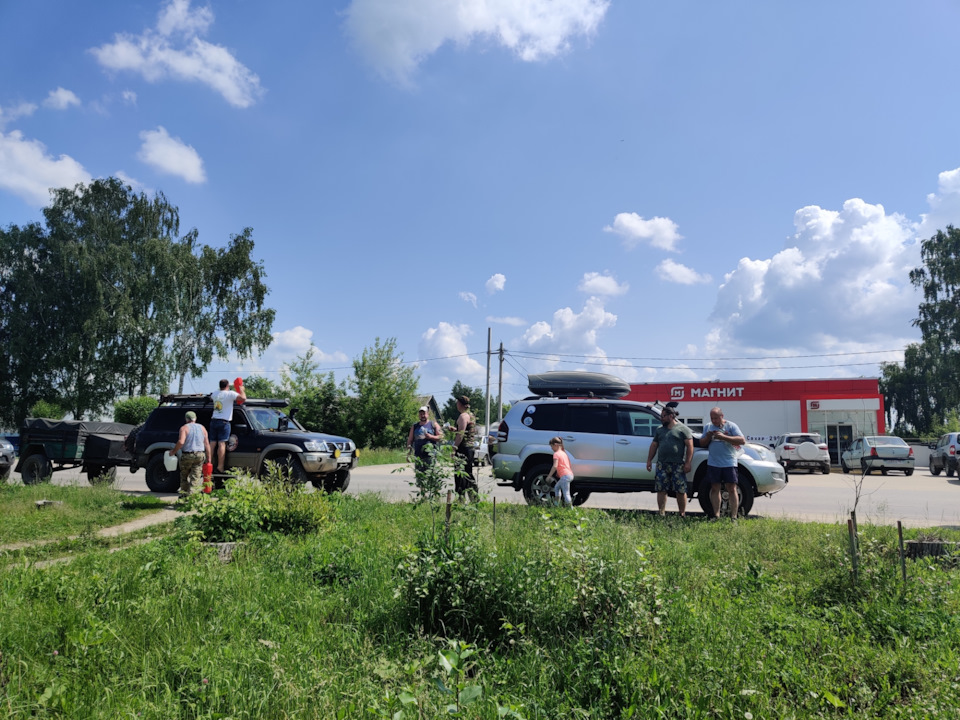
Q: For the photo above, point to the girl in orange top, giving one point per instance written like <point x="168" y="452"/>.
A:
<point x="562" y="471"/>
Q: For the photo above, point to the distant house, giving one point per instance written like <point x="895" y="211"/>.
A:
<point x="431" y="402"/>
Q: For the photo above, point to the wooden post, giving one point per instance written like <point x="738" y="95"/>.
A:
<point x="903" y="560"/>
<point x="856" y="533"/>
<point x="449" y="510"/>
<point x="853" y="549"/>
<point x="495" y="520"/>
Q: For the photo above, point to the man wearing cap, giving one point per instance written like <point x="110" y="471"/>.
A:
<point x="423" y="438"/>
<point x="195" y="443"/>
<point x="673" y="446"/>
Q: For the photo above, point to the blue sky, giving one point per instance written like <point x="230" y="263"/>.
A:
<point x="664" y="191"/>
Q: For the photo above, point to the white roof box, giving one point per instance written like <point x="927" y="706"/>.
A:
<point x="577" y="384"/>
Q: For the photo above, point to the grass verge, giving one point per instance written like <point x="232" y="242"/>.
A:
<point x="77" y="510"/>
<point x="384" y="613"/>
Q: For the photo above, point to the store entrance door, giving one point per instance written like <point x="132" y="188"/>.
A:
<point x="839" y="437"/>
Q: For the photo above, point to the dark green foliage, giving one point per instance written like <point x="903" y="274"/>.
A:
<point x="384" y="400"/>
<point x="106" y="300"/>
<point x="47" y="409"/>
<point x="926" y="388"/>
<point x="134" y="411"/>
<point x="260" y="387"/>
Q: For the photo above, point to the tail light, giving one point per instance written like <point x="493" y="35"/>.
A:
<point x="503" y="432"/>
<point x="822" y="446"/>
<point x="789" y="447"/>
<point x="911" y="452"/>
<point x="953" y="450"/>
<point x="873" y="452"/>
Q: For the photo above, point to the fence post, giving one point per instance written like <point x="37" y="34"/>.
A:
<point x="853" y="549"/>
<point x="903" y="559"/>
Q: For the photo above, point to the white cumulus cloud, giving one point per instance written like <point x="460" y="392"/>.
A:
<point x="395" y="36"/>
<point x="658" y="231"/>
<point x="600" y="284"/>
<point x="61" y="99"/>
<point x="29" y="171"/>
<point x="173" y="49"/>
<point x="448" y="343"/>
<point x="679" y="273"/>
<point x="171" y="155"/>
<point x="512" y="321"/>
<point x="840" y="284"/>
<point x="9" y="114"/>
<point x="469" y="297"/>
<point x="496" y="283"/>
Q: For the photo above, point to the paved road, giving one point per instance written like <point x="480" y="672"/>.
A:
<point x="920" y="500"/>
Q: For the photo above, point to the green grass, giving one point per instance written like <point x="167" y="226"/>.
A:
<point x="381" y="456"/>
<point x="79" y="510"/>
<point x="577" y="614"/>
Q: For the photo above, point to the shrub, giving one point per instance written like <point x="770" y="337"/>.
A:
<point x="246" y="506"/>
<point x="47" y="409"/>
<point x="133" y="411"/>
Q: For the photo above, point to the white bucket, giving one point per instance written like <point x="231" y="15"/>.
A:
<point x="169" y="462"/>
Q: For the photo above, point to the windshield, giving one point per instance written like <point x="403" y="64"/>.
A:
<point x="878" y="441"/>
<point x="267" y="419"/>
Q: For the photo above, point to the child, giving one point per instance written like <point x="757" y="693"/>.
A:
<point x="562" y="471"/>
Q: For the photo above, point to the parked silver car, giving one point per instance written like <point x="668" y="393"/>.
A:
<point x="878" y="452"/>
<point x="943" y="454"/>
<point x="799" y="450"/>
<point x="608" y="441"/>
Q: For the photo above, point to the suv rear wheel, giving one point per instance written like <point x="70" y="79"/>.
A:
<point x="159" y="479"/>
<point x="536" y="487"/>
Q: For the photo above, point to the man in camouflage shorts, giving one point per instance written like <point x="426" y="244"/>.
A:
<point x="673" y="446"/>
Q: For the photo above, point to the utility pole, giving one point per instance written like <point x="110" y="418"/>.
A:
<point x="500" y="388"/>
<point x="486" y="419"/>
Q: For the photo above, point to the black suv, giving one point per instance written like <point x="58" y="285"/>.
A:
<point x="260" y="431"/>
<point x="943" y="454"/>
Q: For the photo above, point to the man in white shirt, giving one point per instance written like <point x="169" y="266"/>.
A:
<point x="223" y="401"/>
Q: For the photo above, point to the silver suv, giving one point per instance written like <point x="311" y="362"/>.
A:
<point x="802" y="450"/>
<point x="943" y="454"/>
<point x="607" y="441"/>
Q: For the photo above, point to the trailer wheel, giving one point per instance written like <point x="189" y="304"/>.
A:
<point x="158" y="478"/>
<point x="101" y="475"/>
<point x="36" y="468"/>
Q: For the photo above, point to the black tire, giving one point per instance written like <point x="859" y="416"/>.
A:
<point x="579" y="497"/>
<point x="158" y="478"/>
<point x="5" y="473"/>
<point x="292" y="463"/>
<point x="36" y="468"/>
<point x="100" y="475"/>
<point x="334" y="482"/>
<point x="908" y="473"/>
<point x="934" y="470"/>
<point x="883" y="471"/>
<point x="864" y="468"/>
<point x="843" y="466"/>
<point x="744" y="490"/>
<point x="825" y="470"/>
<point x="949" y="470"/>
<point x="536" y="488"/>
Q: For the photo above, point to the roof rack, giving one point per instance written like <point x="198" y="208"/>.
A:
<point x="201" y="400"/>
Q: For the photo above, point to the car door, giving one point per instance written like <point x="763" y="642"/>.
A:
<point x="631" y="444"/>
<point x="588" y="439"/>
<point x="855" y="453"/>
<point x="245" y="453"/>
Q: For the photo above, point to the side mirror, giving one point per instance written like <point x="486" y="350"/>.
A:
<point x="240" y="427"/>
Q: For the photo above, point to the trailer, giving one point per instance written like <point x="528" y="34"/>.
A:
<point x="50" y="445"/>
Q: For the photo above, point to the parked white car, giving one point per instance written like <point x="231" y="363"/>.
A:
<point x="878" y="452"/>
<point x="802" y="450"/>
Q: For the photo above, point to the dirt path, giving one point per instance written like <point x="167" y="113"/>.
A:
<point x="157" y="518"/>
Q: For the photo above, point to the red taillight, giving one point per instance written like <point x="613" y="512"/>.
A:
<point x="789" y="447"/>
<point x="953" y="450"/>
<point x="911" y="452"/>
<point x="503" y="432"/>
<point x="873" y="452"/>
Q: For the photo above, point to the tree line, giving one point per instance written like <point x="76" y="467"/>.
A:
<point x="105" y="298"/>
<point x="923" y="393"/>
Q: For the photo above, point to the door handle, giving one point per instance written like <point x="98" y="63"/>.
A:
<point x="621" y="441"/>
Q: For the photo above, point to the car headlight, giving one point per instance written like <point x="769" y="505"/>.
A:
<point x="316" y="446"/>
<point x="6" y="446"/>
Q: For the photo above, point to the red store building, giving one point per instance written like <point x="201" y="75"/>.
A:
<point x="841" y="410"/>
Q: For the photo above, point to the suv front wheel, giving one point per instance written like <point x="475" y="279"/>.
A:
<point x="744" y="490"/>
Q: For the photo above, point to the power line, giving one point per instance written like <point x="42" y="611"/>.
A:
<point x="533" y="354"/>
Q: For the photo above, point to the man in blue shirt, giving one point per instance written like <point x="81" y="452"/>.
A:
<point x="723" y="440"/>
